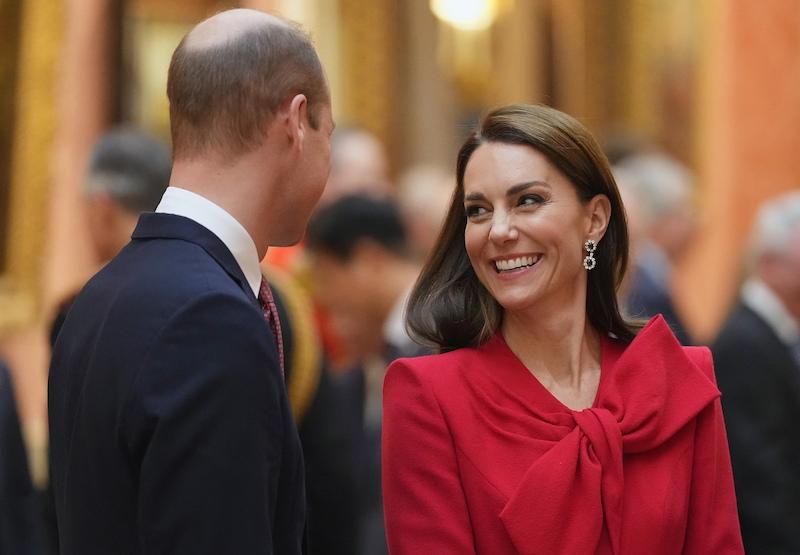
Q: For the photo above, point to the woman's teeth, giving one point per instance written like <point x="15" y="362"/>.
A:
<point x="515" y="263"/>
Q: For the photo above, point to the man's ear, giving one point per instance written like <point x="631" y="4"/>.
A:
<point x="297" y="119"/>
<point x="598" y="212"/>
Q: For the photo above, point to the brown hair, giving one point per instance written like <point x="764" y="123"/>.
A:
<point x="449" y="308"/>
<point x="221" y="96"/>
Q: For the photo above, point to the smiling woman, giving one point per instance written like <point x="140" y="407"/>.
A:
<point x="535" y="157"/>
<point x="549" y="424"/>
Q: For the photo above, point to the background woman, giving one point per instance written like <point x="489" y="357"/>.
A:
<point x="549" y="424"/>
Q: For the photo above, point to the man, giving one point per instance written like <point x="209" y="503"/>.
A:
<point x="363" y="273"/>
<point x="757" y="355"/>
<point x="170" y="427"/>
<point x="127" y="175"/>
<point x="661" y="190"/>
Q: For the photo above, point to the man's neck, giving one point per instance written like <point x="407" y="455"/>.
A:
<point x="231" y="188"/>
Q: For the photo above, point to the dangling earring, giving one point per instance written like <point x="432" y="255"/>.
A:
<point x="589" y="261"/>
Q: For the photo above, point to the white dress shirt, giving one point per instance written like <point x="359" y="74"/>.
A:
<point x="218" y="221"/>
<point x="761" y="300"/>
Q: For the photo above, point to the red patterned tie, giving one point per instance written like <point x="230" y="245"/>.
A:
<point x="271" y="316"/>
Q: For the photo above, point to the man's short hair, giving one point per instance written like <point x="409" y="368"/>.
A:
<point x="222" y="95"/>
<point x="339" y="227"/>
<point x="659" y="183"/>
<point x="776" y="226"/>
<point x="131" y="167"/>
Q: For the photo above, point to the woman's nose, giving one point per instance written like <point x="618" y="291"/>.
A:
<point x="502" y="228"/>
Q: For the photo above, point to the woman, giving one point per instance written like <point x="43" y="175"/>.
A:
<point x="548" y="425"/>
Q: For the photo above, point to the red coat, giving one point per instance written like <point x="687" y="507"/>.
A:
<point x="478" y="457"/>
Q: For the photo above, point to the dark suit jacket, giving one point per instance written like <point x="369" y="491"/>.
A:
<point x="647" y="298"/>
<point x="169" y="423"/>
<point x="18" y="507"/>
<point x="760" y="384"/>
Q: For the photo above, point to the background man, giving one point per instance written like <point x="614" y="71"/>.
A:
<point x="757" y="355"/>
<point x="660" y="189"/>
<point x="363" y="272"/>
<point x="127" y="175"/>
<point x="170" y="427"/>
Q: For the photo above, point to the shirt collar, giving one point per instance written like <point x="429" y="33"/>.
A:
<point x="759" y="298"/>
<point x="218" y="221"/>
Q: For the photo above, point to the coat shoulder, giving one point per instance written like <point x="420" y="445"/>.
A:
<point x="438" y="370"/>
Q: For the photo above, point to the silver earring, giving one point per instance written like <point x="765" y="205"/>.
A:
<point x="589" y="262"/>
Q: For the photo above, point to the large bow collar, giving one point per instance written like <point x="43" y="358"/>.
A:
<point x="650" y="389"/>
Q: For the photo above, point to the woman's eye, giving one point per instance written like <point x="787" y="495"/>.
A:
<point x="530" y="200"/>
<point x="475" y="211"/>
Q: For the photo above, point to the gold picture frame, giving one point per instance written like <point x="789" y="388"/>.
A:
<point x="29" y="130"/>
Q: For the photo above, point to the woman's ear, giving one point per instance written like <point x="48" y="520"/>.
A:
<point x="598" y="211"/>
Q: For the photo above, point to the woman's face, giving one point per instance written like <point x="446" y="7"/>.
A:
<point x="526" y="227"/>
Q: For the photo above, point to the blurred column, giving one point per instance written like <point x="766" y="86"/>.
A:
<point x="520" y="57"/>
<point x="428" y="103"/>
<point x="369" y="54"/>
<point x="750" y="139"/>
<point x="581" y="79"/>
<point x="84" y="104"/>
<point x="40" y="34"/>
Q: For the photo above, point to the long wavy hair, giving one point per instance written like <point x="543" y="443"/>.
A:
<point x="449" y="307"/>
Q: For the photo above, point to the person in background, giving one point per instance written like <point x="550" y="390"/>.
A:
<point x="423" y="194"/>
<point x="548" y="423"/>
<point x="359" y="164"/>
<point x="661" y="190"/>
<point x="20" y="532"/>
<point x="757" y="353"/>
<point x="362" y="274"/>
<point x="128" y="173"/>
<point x="170" y="427"/>
<point x="330" y="425"/>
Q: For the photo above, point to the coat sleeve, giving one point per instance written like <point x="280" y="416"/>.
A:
<point x="204" y="428"/>
<point x="713" y="525"/>
<point x="424" y="503"/>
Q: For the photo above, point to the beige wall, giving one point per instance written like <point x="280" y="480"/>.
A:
<point x="749" y="125"/>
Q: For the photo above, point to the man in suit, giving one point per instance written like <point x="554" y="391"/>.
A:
<point x="661" y="191"/>
<point x="170" y="427"/>
<point x="757" y="355"/>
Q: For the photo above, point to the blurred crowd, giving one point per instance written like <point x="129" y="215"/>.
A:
<point x="341" y="295"/>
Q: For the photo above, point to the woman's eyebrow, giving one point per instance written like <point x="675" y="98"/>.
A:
<point x="512" y="191"/>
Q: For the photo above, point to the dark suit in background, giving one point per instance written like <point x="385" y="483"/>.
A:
<point x="18" y="500"/>
<point x="649" y="296"/>
<point x="170" y="427"/>
<point x="760" y="384"/>
<point x="328" y="411"/>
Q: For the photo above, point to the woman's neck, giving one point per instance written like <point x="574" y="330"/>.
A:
<point x="560" y="348"/>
